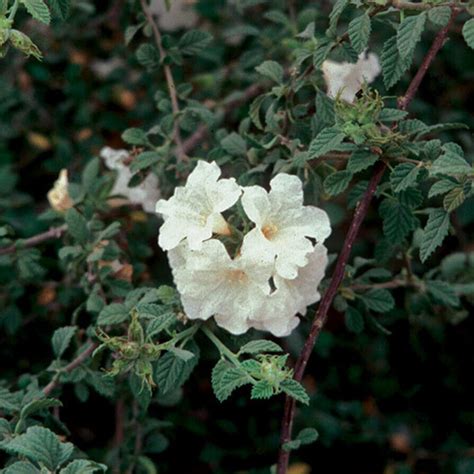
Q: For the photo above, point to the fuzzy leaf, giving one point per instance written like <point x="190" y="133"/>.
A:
<point x="261" y="390"/>
<point x="451" y="164"/>
<point x="434" y="233"/>
<point x="454" y="198"/>
<point x="336" y="12"/>
<point x="337" y="182"/>
<point x="77" y="225"/>
<point x="441" y="187"/>
<point x="439" y="15"/>
<point x="172" y="371"/>
<point x="194" y="41"/>
<point x="21" y="467"/>
<point x="38" y="10"/>
<point x="135" y="136"/>
<point x="234" y="144"/>
<point x="114" y="313"/>
<point x="272" y="70"/>
<point x="393" y="65"/>
<point x="40" y="445"/>
<point x="404" y="176"/>
<point x="468" y="32"/>
<point x="61" y="339"/>
<point x="328" y="139"/>
<point x="379" y="300"/>
<point x="354" y="320"/>
<point x="409" y="34"/>
<point x="295" y="390"/>
<point x="392" y="115"/>
<point x="398" y="220"/>
<point x="260" y="345"/>
<point x="83" y="466"/>
<point x="359" y="32"/>
<point x="442" y="292"/>
<point x="226" y="378"/>
<point x="361" y="160"/>
<point x="60" y="8"/>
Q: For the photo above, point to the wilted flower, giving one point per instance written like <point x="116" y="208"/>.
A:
<point x="345" y="79"/>
<point x="179" y="15"/>
<point x="58" y="196"/>
<point x="146" y="193"/>
<point x="283" y="224"/>
<point x="194" y="211"/>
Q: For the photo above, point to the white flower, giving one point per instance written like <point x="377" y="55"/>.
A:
<point x="211" y="283"/>
<point x="194" y="211"/>
<point x="346" y="79"/>
<point x="278" y="314"/>
<point x="180" y="14"/>
<point x="283" y="224"/>
<point x="58" y="196"/>
<point x="146" y="193"/>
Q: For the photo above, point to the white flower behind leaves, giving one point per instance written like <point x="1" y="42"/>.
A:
<point x="194" y="212"/>
<point x="346" y="79"/>
<point x="146" y="193"/>
<point x="181" y="14"/>
<point x="58" y="196"/>
<point x="211" y="283"/>
<point x="283" y="225"/>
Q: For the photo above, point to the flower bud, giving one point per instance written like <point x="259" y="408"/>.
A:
<point x="58" y="196"/>
<point x="22" y="42"/>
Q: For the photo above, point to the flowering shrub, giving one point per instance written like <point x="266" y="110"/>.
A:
<point x="201" y="196"/>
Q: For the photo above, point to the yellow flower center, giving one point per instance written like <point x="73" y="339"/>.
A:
<point x="269" y="230"/>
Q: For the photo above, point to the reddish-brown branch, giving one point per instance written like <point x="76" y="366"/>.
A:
<point x="82" y="357"/>
<point x="338" y="275"/>
<point x="54" y="233"/>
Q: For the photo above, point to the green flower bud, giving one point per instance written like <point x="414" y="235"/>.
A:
<point x="22" y="42"/>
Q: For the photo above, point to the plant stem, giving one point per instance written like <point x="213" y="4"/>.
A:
<point x="181" y="154"/>
<point x="13" y="10"/>
<point x="53" y="233"/>
<point x="338" y="275"/>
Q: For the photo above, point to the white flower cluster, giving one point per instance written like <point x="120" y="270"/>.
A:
<point x="275" y="273"/>
<point x="146" y="193"/>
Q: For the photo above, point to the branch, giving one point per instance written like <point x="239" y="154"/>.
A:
<point x="53" y="233"/>
<point x="359" y="215"/>
<point x="83" y="356"/>
<point x="169" y="81"/>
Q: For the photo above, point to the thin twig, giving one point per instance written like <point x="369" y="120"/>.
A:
<point x="82" y="357"/>
<point x="169" y="81"/>
<point x="338" y="275"/>
<point x="53" y="233"/>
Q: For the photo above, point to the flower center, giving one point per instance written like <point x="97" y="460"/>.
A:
<point x="269" y="230"/>
<point x="236" y="276"/>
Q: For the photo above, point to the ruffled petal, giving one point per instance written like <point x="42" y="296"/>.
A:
<point x="256" y="204"/>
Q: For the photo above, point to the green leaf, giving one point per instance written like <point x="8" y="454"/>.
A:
<point x="443" y="292"/>
<point x="21" y="467"/>
<point x="295" y="390"/>
<point x="193" y="42"/>
<point x="337" y="182"/>
<point x="451" y="164"/>
<point x="434" y="233"/>
<point x="172" y="371"/>
<point x="404" y="176"/>
<point x="359" y="32"/>
<point x="441" y="187"/>
<point x="38" y="10"/>
<point x="439" y="15"/>
<point x="392" y="115"/>
<point x="468" y="32"/>
<point x="90" y="173"/>
<point x="398" y="220"/>
<point x="145" y="160"/>
<point x="254" y="111"/>
<point x="61" y="8"/>
<point x="148" y="56"/>
<point x="321" y="53"/>
<point x="33" y="407"/>
<point x="354" y="320"/>
<point x="226" y="378"/>
<point x="260" y="345"/>
<point x="234" y="144"/>
<point x="261" y="390"/>
<point x="409" y="34"/>
<point x="328" y="139"/>
<point x="393" y="65"/>
<point x="379" y="300"/>
<point x="114" y="313"/>
<point x="61" y="339"/>
<point x="307" y="436"/>
<point x="325" y="109"/>
<point x="360" y="160"/>
<point x="83" y="466"/>
<point x="77" y="225"/>
<point x="272" y="70"/>
<point x="454" y="199"/>
<point x="40" y="445"/>
<point x="135" y="136"/>
<point x="335" y="14"/>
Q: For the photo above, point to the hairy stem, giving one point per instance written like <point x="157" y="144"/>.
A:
<point x="181" y="154"/>
<point x="359" y="215"/>
<point x="53" y="233"/>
